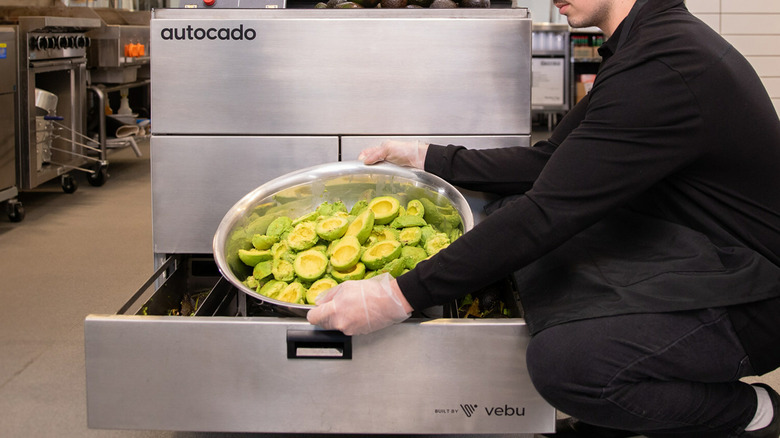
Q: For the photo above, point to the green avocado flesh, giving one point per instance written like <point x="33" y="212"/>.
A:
<point x="295" y="260"/>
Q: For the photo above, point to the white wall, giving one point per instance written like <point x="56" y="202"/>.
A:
<point x="753" y="27"/>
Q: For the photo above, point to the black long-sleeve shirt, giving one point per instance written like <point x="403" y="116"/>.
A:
<point x="657" y="192"/>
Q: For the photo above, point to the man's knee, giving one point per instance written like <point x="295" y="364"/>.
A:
<point x="562" y="368"/>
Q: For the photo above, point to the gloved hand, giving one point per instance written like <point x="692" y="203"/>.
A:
<point x="402" y="153"/>
<point x="359" y="307"/>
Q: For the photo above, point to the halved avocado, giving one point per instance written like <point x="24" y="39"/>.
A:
<point x="263" y="270"/>
<point x="310" y="264"/>
<point x="251" y="282"/>
<point x="292" y="293"/>
<point x="378" y="254"/>
<point x="394" y="267"/>
<point x="272" y="288"/>
<point x="332" y="227"/>
<point x="413" y="255"/>
<point x="283" y="270"/>
<point x="358" y="207"/>
<point x="253" y="256"/>
<point x="319" y="287"/>
<point x="308" y="217"/>
<point x="385" y="209"/>
<point x="281" y="250"/>
<point x="410" y="236"/>
<point x="263" y="241"/>
<point x="415" y="208"/>
<point x="408" y="221"/>
<point x="436" y="243"/>
<point x="383" y="232"/>
<point x="346" y="253"/>
<point x="279" y="226"/>
<point x="303" y="236"/>
<point x="357" y="272"/>
<point x="361" y="226"/>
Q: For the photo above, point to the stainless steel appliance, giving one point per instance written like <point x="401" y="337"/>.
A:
<point x="118" y="62"/>
<point x="8" y="190"/>
<point x="52" y="57"/>
<point x="240" y="97"/>
<point x="119" y="51"/>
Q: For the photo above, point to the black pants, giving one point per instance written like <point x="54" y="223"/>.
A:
<point x="661" y="375"/>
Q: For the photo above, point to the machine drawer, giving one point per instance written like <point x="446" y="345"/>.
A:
<point x="224" y="369"/>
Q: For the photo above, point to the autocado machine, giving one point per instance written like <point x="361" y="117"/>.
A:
<point x="260" y="112"/>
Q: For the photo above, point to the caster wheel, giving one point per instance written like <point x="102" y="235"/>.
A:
<point x="69" y="184"/>
<point x="15" y="211"/>
<point x="100" y="176"/>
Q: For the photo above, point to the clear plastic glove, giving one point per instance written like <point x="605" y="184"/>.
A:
<point x="359" y="307"/>
<point x="402" y="153"/>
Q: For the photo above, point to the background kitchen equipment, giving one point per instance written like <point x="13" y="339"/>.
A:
<point x="118" y="66"/>
<point x="289" y="89"/>
<point x="8" y="81"/>
<point x="52" y="57"/>
<point x="49" y="129"/>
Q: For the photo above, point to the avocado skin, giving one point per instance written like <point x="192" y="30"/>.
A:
<point x="474" y="3"/>
<point x="393" y="4"/>
<point x="443" y="4"/>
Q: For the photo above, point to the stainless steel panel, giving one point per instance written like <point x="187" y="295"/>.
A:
<point x="293" y="71"/>
<point x="230" y="374"/>
<point x="8" y="76"/>
<point x="195" y="180"/>
<point x="8" y="63"/>
<point x="7" y="139"/>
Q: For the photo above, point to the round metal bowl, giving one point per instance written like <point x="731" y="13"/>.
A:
<point x="302" y="191"/>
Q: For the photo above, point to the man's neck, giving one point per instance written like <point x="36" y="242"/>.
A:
<point x="619" y="12"/>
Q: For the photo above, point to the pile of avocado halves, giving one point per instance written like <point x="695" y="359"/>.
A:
<point x="297" y="259"/>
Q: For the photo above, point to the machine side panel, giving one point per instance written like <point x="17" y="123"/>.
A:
<point x="195" y="180"/>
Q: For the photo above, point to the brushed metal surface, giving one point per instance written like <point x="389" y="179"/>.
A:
<point x="341" y="72"/>
<point x="8" y="69"/>
<point x="7" y="138"/>
<point x="233" y="375"/>
<point x="195" y="180"/>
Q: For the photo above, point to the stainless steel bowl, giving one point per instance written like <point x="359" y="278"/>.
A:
<point x="300" y="192"/>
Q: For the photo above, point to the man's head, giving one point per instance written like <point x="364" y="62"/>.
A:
<point x="604" y="14"/>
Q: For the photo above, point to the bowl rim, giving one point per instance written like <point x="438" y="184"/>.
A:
<point x="311" y="174"/>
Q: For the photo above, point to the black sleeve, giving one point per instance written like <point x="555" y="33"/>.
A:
<point x="502" y="171"/>
<point x="628" y="140"/>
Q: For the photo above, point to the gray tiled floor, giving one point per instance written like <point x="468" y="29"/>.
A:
<point x="73" y="255"/>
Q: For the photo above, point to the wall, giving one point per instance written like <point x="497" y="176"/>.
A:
<point x="753" y="27"/>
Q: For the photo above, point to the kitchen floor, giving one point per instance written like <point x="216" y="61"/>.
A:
<point x="75" y="254"/>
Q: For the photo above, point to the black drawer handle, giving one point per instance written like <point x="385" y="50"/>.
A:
<point x="318" y="344"/>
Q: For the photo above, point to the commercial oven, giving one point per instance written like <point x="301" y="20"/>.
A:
<point x="240" y="97"/>
<point x="51" y="141"/>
